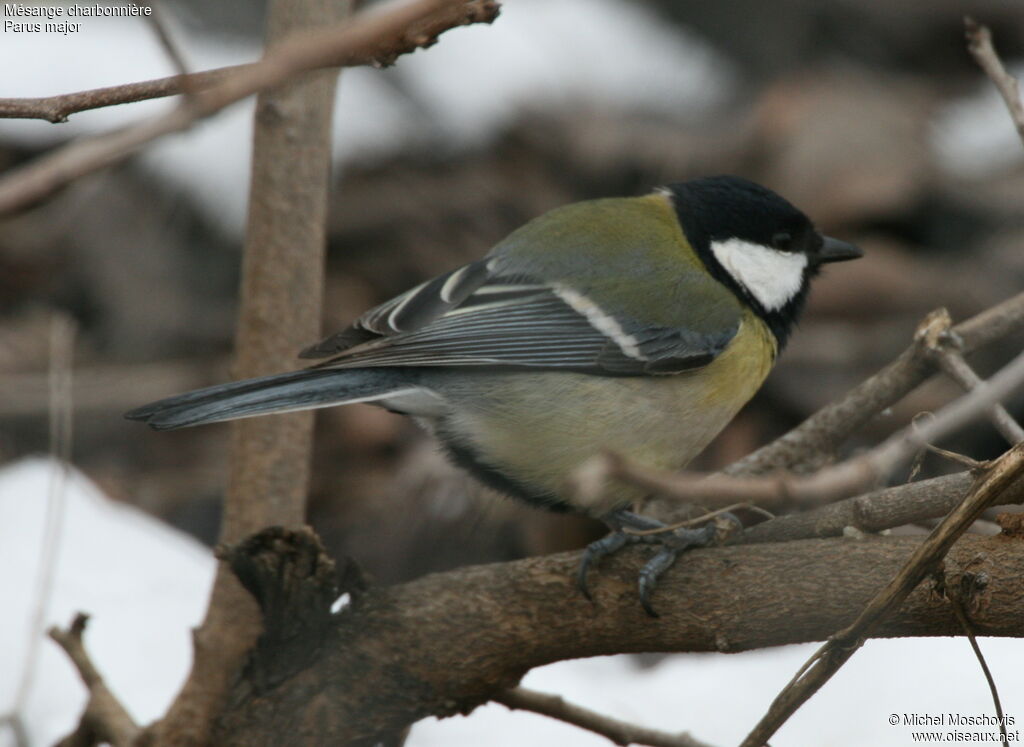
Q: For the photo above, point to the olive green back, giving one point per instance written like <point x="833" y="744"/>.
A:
<point x="639" y="266"/>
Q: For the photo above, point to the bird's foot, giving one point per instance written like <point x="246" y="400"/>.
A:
<point x="629" y="528"/>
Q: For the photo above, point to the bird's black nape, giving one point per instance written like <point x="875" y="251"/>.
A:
<point x="718" y="208"/>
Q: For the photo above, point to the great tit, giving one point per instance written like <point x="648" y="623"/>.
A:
<point x="640" y="325"/>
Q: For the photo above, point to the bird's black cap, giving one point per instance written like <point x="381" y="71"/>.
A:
<point x="719" y="208"/>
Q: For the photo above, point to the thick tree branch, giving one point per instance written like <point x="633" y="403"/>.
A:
<point x="279" y="311"/>
<point x="815" y="441"/>
<point x="619" y="732"/>
<point x="378" y="37"/>
<point x="445" y="643"/>
<point x="989" y="490"/>
<point x="979" y="44"/>
<point x="873" y="512"/>
<point x="104" y="718"/>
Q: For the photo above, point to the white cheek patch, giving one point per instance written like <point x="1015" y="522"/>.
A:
<point x="770" y="276"/>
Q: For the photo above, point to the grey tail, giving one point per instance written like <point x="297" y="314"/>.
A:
<point x="299" y="390"/>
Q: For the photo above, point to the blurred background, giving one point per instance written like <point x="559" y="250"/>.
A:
<point x="869" y="116"/>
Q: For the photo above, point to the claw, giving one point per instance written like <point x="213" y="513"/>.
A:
<point x="673" y="543"/>
<point x="595" y="551"/>
<point x="649" y="574"/>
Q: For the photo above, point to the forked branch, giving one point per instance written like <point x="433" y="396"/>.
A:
<point x="988" y="491"/>
<point x="104" y="718"/>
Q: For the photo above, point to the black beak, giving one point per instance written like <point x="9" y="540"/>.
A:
<point x="834" y="250"/>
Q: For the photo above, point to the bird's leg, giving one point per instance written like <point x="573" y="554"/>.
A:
<point x="625" y="527"/>
<point x="615" y="540"/>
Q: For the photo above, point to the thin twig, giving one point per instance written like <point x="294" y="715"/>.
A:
<point x="814" y="442"/>
<point x="829" y="484"/>
<point x="106" y="387"/>
<point x="619" y="732"/>
<point x="961" y="616"/>
<point x="62" y="345"/>
<point x="696" y="520"/>
<point x="962" y="459"/>
<point x="979" y="44"/>
<point x="946" y="352"/>
<point x="158" y="23"/>
<point x="372" y="38"/>
<point x="57" y="109"/>
<point x="16" y="728"/>
<point x="104" y="714"/>
<point x="840" y="647"/>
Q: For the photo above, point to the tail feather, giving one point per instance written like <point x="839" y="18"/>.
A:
<point x="299" y="390"/>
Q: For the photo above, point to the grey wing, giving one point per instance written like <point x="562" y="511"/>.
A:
<point x="407" y="311"/>
<point x="473" y="317"/>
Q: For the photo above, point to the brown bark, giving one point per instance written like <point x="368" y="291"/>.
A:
<point x="814" y="442"/>
<point x="282" y="281"/>
<point x="873" y="512"/>
<point x="104" y="719"/>
<point x="448" y="642"/>
<point x="989" y="488"/>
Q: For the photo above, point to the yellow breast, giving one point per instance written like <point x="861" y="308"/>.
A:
<point x="539" y="427"/>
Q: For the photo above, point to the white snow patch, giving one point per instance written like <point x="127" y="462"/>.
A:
<point x="146" y="585"/>
<point x="718" y="698"/>
<point x="974" y="136"/>
<point x="143" y="583"/>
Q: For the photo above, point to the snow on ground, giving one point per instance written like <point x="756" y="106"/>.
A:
<point x="973" y="135"/>
<point x="719" y="697"/>
<point x="144" y="584"/>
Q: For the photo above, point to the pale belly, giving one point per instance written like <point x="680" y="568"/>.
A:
<point x="537" y="428"/>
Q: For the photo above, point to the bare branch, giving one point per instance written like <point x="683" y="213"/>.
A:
<point x="873" y="512"/>
<point x="158" y="22"/>
<point x="59" y="398"/>
<point x="961" y="616"/>
<point x="815" y="441"/>
<point x="378" y="38"/>
<point x="58" y="108"/>
<point x="447" y="642"/>
<point x="829" y="484"/>
<point x="979" y="44"/>
<point x="988" y="491"/>
<point x="107" y="387"/>
<point x="104" y="715"/>
<point x="619" y="732"/>
<point x="16" y="728"/>
<point x="946" y="352"/>
<point x="282" y="283"/>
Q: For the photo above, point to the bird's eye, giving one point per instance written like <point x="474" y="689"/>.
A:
<point x="782" y="241"/>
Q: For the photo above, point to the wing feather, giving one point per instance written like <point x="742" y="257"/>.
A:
<point x="470" y="317"/>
